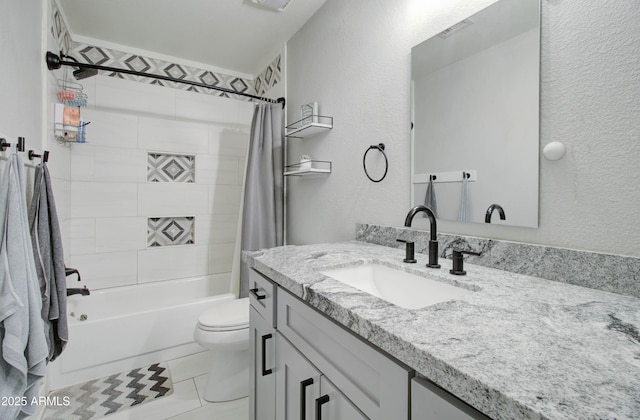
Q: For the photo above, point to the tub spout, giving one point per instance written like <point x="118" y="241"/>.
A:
<point x="78" y="291"/>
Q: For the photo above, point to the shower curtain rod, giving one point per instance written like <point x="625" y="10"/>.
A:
<point x="54" y="62"/>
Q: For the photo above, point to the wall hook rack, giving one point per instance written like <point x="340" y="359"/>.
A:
<point x="45" y="156"/>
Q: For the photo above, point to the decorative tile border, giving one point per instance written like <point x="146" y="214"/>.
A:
<point x="611" y="273"/>
<point x="168" y="231"/>
<point x="268" y="78"/>
<point x="59" y="29"/>
<point x="162" y="167"/>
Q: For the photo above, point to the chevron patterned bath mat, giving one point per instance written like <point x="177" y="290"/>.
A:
<point x="104" y="396"/>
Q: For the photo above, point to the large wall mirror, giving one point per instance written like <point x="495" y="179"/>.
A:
<point x="475" y="114"/>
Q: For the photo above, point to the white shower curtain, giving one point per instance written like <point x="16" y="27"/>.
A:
<point x="261" y="222"/>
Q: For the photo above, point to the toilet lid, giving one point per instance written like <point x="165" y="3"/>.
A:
<point x="230" y="315"/>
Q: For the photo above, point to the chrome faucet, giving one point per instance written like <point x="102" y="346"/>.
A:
<point x="433" y="242"/>
<point x="487" y="217"/>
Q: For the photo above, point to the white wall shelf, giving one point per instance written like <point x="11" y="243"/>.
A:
<point x="309" y="126"/>
<point x="316" y="167"/>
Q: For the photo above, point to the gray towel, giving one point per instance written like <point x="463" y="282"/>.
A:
<point x="48" y="253"/>
<point x="430" y="199"/>
<point x="23" y="347"/>
<point x="464" y="211"/>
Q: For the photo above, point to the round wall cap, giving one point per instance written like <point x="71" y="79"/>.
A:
<point x="554" y="150"/>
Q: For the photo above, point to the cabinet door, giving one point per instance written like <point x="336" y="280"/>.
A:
<point x="297" y="381"/>
<point x="333" y="405"/>
<point x="262" y="383"/>
<point x="376" y="384"/>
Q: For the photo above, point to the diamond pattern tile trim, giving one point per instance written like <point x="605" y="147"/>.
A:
<point x="100" y="397"/>
<point x="163" y="167"/>
<point x="268" y="78"/>
<point x="167" y="231"/>
<point x="137" y="63"/>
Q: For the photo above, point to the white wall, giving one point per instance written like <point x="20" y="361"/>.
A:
<point x="27" y="89"/>
<point x="354" y="59"/>
<point x="21" y="86"/>
<point x="111" y="198"/>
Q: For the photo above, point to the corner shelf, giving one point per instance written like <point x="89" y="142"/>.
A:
<point x="309" y="126"/>
<point x="317" y="167"/>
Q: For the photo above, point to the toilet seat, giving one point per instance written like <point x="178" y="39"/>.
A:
<point x="228" y="316"/>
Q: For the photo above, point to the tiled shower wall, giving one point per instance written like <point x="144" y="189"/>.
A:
<point x="115" y="201"/>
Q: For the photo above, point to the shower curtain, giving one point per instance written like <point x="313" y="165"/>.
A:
<point x="262" y="207"/>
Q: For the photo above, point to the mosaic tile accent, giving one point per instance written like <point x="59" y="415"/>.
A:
<point x="100" y="397"/>
<point x="163" y="167"/>
<point x="168" y="231"/>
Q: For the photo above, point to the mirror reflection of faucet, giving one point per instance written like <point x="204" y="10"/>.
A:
<point x="433" y="242"/>
<point x="487" y="217"/>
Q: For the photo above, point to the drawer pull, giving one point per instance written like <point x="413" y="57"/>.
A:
<point x="255" y="294"/>
<point x="303" y="397"/>
<point x="265" y="372"/>
<point x="319" y="402"/>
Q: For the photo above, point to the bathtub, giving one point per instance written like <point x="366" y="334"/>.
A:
<point x="113" y="330"/>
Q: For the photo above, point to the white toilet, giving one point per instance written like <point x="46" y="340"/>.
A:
<point x="224" y="329"/>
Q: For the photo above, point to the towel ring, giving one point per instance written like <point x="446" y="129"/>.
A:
<point x="380" y="147"/>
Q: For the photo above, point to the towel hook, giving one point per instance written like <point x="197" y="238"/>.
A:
<point x="466" y="175"/>
<point x="4" y="144"/>
<point x="45" y="156"/>
<point x="20" y="145"/>
<point x="380" y="147"/>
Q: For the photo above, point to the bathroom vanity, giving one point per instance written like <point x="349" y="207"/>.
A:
<point x="305" y="366"/>
<point x="514" y="347"/>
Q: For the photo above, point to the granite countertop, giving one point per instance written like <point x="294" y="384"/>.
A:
<point x="518" y="347"/>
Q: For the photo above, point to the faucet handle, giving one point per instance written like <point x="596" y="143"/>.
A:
<point x="458" y="263"/>
<point x="409" y="252"/>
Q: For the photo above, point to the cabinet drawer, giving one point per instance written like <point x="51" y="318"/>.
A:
<point x="262" y="295"/>
<point x="429" y="402"/>
<point x="376" y="384"/>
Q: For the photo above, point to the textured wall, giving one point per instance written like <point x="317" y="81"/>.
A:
<point x="354" y="59"/>
<point x="20" y="70"/>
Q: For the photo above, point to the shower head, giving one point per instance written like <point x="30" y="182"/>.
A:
<point x="84" y="73"/>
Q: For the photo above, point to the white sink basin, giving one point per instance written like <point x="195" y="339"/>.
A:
<point x="396" y="286"/>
